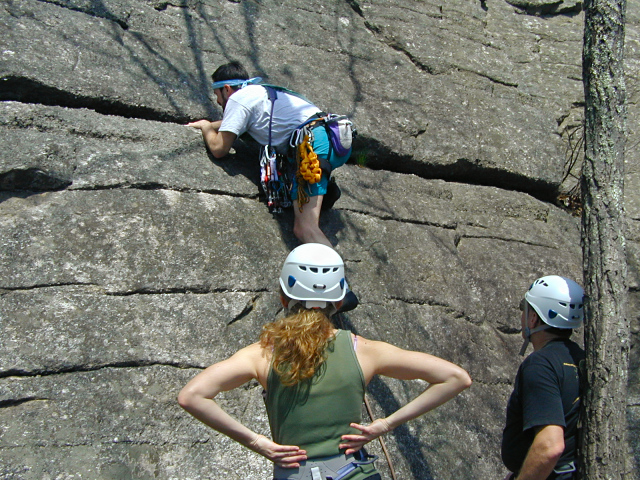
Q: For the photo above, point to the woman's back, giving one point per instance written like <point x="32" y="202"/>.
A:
<point x="315" y="413"/>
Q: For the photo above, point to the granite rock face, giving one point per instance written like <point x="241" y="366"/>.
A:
<point x="130" y="258"/>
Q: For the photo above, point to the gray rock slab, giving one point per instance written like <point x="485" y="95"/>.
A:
<point x="130" y="258"/>
<point x="117" y="423"/>
<point x="78" y="57"/>
<point x="459" y="91"/>
<point x="136" y="240"/>
<point x="60" y="329"/>
<point x="49" y="148"/>
<point x="132" y="424"/>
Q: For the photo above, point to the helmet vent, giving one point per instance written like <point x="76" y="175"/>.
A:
<point x="326" y="270"/>
<point x="314" y="269"/>
<point x="319" y="286"/>
<point x="302" y="267"/>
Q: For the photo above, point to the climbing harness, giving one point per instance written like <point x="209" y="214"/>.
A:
<point x="309" y="167"/>
<point x="338" y="467"/>
<point x="566" y="469"/>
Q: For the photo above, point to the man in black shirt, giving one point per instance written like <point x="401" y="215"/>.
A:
<point x="539" y="439"/>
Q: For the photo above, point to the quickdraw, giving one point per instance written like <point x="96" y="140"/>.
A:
<point x="271" y="177"/>
<point x="272" y="182"/>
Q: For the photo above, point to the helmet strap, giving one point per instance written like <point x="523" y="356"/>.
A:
<point x="528" y="331"/>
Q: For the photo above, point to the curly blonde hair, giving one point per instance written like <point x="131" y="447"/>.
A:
<point x="298" y="343"/>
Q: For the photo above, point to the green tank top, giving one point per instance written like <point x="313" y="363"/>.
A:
<point x="314" y="414"/>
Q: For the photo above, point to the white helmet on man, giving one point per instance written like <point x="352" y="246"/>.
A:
<point x="558" y="301"/>
<point x="314" y="275"/>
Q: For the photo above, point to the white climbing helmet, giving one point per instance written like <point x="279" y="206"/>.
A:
<point x="314" y="274"/>
<point x="558" y="301"/>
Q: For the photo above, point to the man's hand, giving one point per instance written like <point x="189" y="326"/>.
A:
<point x="544" y="453"/>
<point x="204" y="124"/>
<point x="218" y="143"/>
<point x="355" y="442"/>
<point x="285" y="456"/>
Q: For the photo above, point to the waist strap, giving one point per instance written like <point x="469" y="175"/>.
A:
<point x="335" y="468"/>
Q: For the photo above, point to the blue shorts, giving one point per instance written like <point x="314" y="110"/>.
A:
<point x="321" y="147"/>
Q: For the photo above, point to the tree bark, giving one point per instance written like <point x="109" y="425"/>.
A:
<point x="604" y="450"/>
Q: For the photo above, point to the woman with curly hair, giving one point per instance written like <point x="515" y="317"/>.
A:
<point x="315" y="378"/>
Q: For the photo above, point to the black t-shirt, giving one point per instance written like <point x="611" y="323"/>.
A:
<point x="546" y="392"/>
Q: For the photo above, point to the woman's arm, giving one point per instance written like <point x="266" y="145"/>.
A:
<point x="445" y="380"/>
<point x="197" y="399"/>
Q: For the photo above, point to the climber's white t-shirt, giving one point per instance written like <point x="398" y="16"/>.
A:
<point x="249" y="109"/>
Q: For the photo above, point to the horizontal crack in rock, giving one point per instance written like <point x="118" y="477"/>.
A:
<point x="15" y="372"/>
<point x="508" y="240"/>
<point x="398" y="219"/>
<point x="47" y="285"/>
<point x="33" y="179"/>
<point x="198" y="290"/>
<point x="159" y="186"/>
<point x="14" y="402"/>
<point x="27" y="90"/>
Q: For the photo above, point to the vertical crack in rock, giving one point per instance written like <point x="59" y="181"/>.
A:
<point x="245" y="311"/>
<point x="355" y="6"/>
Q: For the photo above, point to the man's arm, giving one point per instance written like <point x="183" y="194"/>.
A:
<point x="218" y="143"/>
<point x="544" y="453"/>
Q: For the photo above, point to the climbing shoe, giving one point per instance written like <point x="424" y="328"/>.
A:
<point x="332" y="196"/>
<point x="349" y="302"/>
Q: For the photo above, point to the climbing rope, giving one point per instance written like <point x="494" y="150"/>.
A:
<point x="308" y="171"/>
<point x="309" y="163"/>
<point x="341" y="324"/>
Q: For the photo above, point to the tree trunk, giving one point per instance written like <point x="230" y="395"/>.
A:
<point x="604" y="449"/>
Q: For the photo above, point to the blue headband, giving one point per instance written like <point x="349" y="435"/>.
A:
<point x="236" y="82"/>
